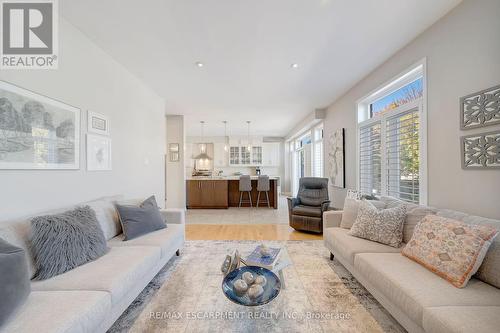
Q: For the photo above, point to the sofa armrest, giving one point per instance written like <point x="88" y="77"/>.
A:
<point x="325" y="206"/>
<point x="174" y="215"/>
<point x="332" y="219"/>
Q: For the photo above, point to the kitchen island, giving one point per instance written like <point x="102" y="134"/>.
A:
<point x="223" y="192"/>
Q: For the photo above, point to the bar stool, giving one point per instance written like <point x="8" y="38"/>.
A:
<point x="263" y="186"/>
<point x="245" y="186"/>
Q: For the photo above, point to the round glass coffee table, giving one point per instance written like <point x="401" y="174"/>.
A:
<point x="271" y="288"/>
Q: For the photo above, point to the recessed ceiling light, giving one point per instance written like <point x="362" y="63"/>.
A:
<point x="294" y="65"/>
<point x="199" y="64"/>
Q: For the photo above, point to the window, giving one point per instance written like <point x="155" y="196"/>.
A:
<point x="391" y="137"/>
<point x="306" y="155"/>
<point x="402" y="154"/>
<point x="410" y="92"/>
<point x="318" y="151"/>
<point x="370" y="165"/>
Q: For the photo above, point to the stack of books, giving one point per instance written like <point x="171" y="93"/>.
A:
<point x="256" y="258"/>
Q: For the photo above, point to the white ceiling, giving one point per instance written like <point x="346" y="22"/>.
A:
<point x="247" y="48"/>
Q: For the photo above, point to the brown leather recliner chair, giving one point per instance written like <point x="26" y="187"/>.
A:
<point x="306" y="210"/>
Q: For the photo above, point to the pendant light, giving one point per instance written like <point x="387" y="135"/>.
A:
<point x="249" y="146"/>
<point x="226" y="146"/>
<point x="203" y="147"/>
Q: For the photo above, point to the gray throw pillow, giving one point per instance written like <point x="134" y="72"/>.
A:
<point x="64" y="241"/>
<point x="384" y="226"/>
<point x="140" y="220"/>
<point x="14" y="279"/>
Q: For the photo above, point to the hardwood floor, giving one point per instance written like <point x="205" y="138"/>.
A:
<point x="246" y="232"/>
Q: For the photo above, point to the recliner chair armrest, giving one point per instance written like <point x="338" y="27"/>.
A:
<point x="332" y="219"/>
<point x="292" y="202"/>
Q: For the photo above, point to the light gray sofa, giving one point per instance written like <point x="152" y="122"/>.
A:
<point x="91" y="297"/>
<point x="420" y="300"/>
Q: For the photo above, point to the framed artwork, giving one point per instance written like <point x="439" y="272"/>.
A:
<point x="37" y="132"/>
<point x="481" y="151"/>
<point x="97" y="123"/>
<point x="336" y="158"/>
<point x="98" y="152"/>
<point x="480" y="109"/>
<point x="173" y="150"/>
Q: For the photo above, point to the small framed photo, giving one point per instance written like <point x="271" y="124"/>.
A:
<point x="173" y="151"/>
<point x="98" y="152"/>
<point x="97" y="123"/>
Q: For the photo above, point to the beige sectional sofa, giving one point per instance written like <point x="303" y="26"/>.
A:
<point x="420" y="300"/>
<point x="91" y="297"/>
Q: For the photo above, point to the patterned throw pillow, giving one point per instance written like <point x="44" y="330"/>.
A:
<point x="452" y="249"/>
<point x="351" y="208"/>
<point x="384" y="226"/>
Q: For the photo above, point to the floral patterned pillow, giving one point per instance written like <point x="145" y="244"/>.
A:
<point x="452" y="249"/>
<point x="379" y="225"/>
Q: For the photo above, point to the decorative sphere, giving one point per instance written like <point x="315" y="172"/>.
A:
<point x="260" y="280"/>
<point x="255" y="291"/>
<point x="265" y="251"/>
<point x="248" y="277"/>
<point x="240" y="287"/>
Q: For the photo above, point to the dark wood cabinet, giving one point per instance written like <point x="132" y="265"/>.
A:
<point x="206" y="193"/>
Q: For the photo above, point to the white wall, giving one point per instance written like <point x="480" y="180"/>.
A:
<point x="463" y="56"/>
<point x="175" y="182"/>
<point x="90" y="79"/>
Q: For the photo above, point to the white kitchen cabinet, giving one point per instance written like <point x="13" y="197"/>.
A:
<point x="220" y="155"/>
<point x="271" y="154"/>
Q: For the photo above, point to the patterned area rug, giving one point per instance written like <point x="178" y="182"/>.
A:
<point x="320" y="296"/>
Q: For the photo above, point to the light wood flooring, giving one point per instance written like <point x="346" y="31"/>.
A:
<point x="246" y="232"/>
<point x="243" y="224"/>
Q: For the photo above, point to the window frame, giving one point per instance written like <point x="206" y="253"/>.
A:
<point x="295" y="147"/>
<point x="363" y="119"/>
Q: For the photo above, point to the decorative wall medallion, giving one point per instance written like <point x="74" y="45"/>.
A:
<point x="480" y="109"/>
<point x="481" y="151"/>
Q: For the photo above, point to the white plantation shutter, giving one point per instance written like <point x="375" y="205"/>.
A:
<point x="402" y="156"/>
<point x="370" y="158"/>
<point x="318" y="159"/>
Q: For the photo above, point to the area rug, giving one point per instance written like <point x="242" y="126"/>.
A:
<point x="320" y="296"/>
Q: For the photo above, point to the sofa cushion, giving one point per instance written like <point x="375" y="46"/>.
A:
<point x="489" y="271"/>
<point x="412" y="287"/>
<point x="18" y="231"/>
<point x="350" y="211"/>
<point x="168" y="239"/>
<point x="107" y="215"/>
<point x="391" y="202"/>
<point x="413" y="217"/>
<point x="384" y="226"/>
<point x="14" y="279"/>
<point x="452" y="249"/>
<point x="116" y="272"/>
<point x="348" y="246"/>
<point x="64" y="241"/>
<point x="306" y="211"/>
<point x="61" y="312"/>
<point x="452" y="319"/>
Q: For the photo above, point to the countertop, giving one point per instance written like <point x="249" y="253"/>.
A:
<point x="227" y="178"/>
